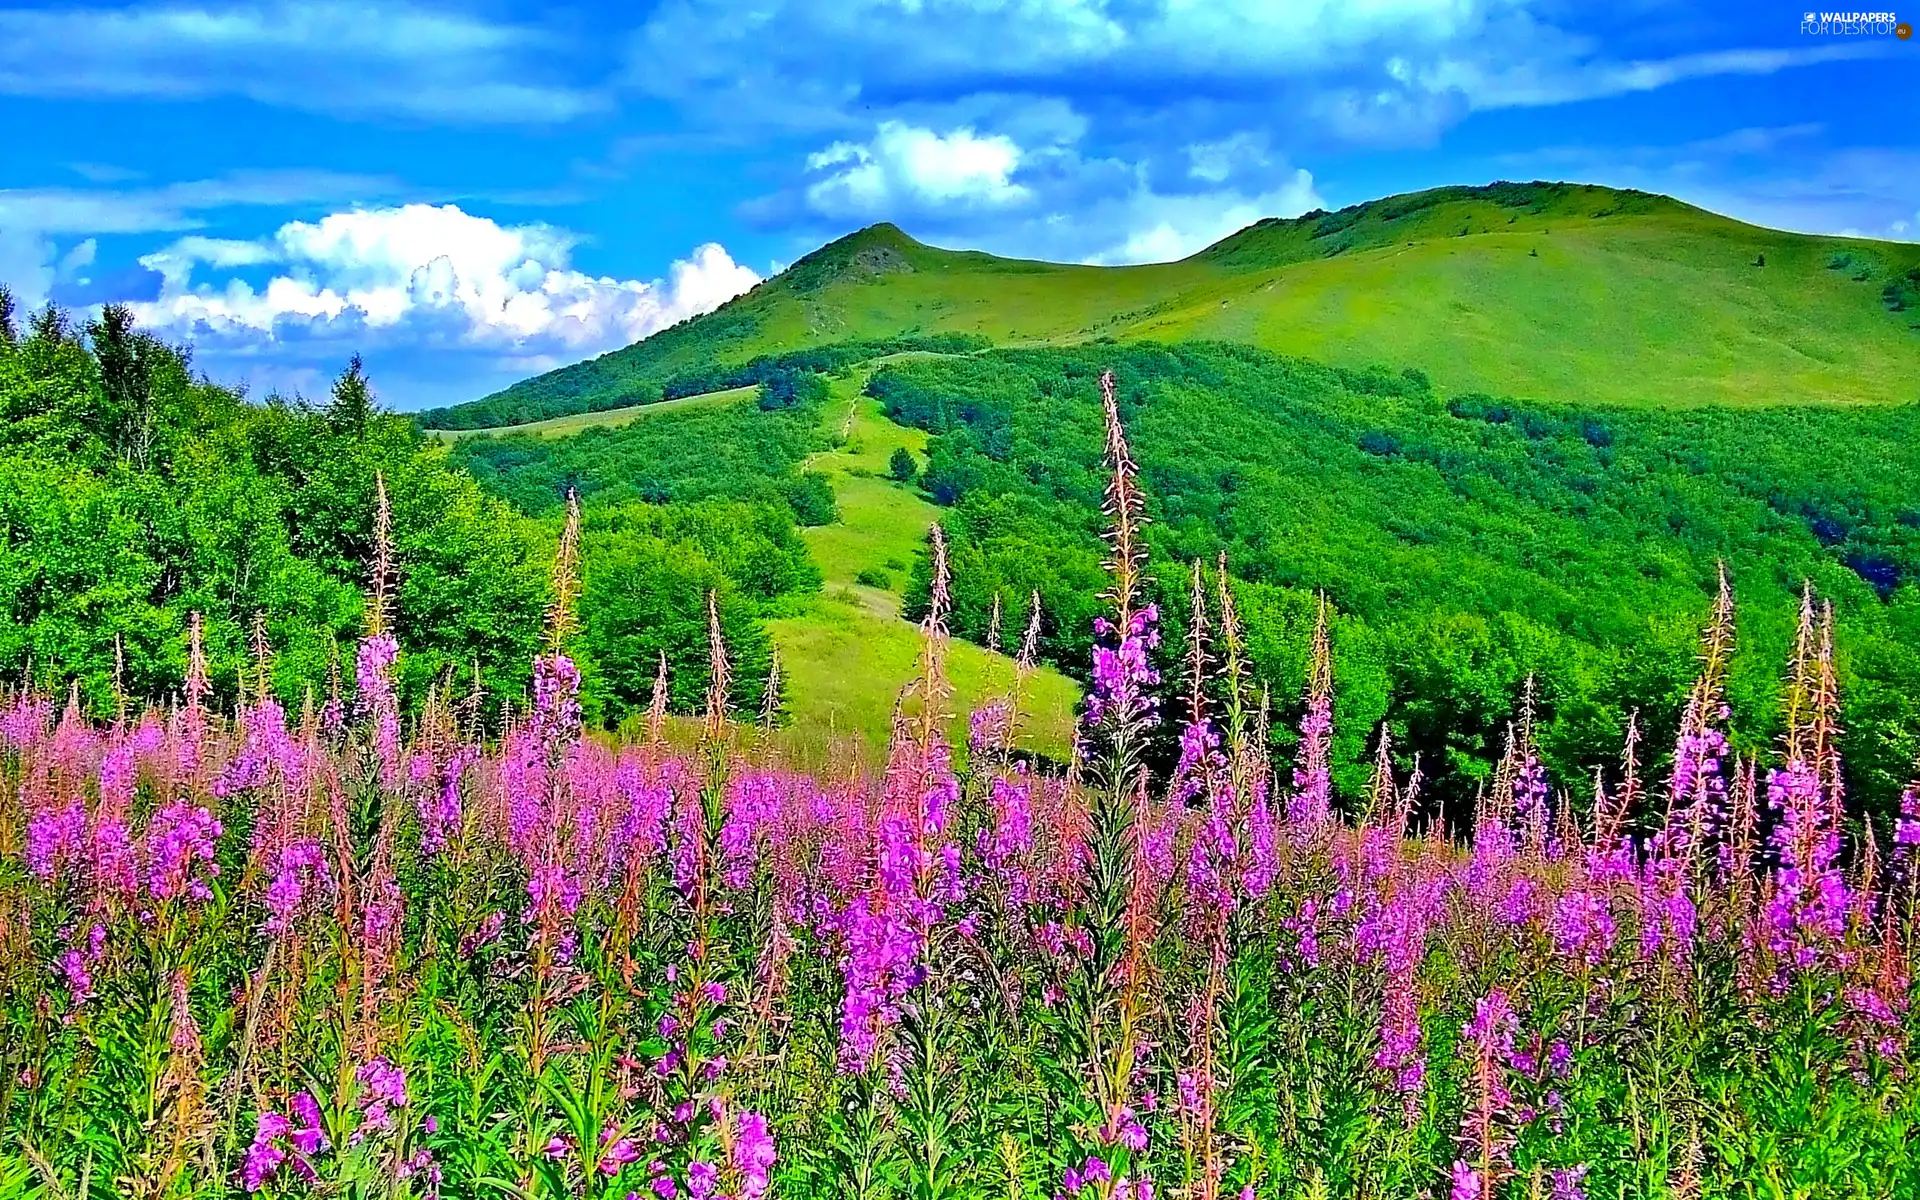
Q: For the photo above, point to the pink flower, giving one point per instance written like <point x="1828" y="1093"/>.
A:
<point x="753" y="1155"/>
<point x="1466" y="1181"/>
<point x="181" y="843"/>
<point x="264" y="1155"/>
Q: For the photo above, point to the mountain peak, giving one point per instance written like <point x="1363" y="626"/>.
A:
<point x="880" y="249"/>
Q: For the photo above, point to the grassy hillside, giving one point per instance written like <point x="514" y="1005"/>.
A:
<point x="1573" y="293"/>
<point x="848" y="651"/>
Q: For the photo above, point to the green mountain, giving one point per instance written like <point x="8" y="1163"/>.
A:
<point x="1567" y="292"/>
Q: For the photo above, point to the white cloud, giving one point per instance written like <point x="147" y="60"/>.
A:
<point x="26" y="265"/>
<point x="80" y="257"/>
<point x="31" y="219"/>
<point x="1358" y="70"/>
<point x="371" y="56"/>
<point x="809" y="59"/>
<point x="908" y="166"/>
<point x="1213" y="162"/>
<point x="449" y="275"/>
<point x="1161" y="228"/>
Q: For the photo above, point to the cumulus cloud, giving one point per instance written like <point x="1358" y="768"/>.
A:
<point x="1052" y="198"/>
<point x="908" y="166"/>
<point x="1160" y="228"/>
<point x="34" y="221"/>
<point x="351" y="56"/>
<point x="426" y="273"/>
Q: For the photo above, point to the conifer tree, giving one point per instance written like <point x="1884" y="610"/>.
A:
<point x="353" y="405"/>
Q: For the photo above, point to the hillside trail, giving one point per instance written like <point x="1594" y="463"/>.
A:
<point x="851" y="649"/>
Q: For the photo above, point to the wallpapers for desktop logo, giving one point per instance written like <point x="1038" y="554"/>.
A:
<point x="1855" y="24"/>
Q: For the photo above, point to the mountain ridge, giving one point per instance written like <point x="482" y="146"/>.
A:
<point x="1631" y="290"/>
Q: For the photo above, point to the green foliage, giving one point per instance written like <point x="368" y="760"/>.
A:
<point x="132" y="495"/>
<point x="673" y="509"/>
<point x="734" y="450"/>
<point x="1466" y="544"/>
<point x="755" y="546"/>
<point x="810" y="497"/>
<point x="1902" y="291"/>
<point x="785" y="389"/>
<point x="902" y="466"/>
<point x="787" y="375"/>
<point x="645" y="596"/>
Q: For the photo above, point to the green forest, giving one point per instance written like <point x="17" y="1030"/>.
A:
<point x="1465" y="543"/>
<point x="135" y="494"/>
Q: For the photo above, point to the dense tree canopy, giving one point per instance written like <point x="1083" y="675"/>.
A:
<point x="1465" y="544"/>
<point x="133" y="494"/>
<point x="729" y="449"/>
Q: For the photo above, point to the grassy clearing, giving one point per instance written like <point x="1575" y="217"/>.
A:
<point x="848" y="652"/>
<point x="847" y="663"/>
<point x="557" y="427"/>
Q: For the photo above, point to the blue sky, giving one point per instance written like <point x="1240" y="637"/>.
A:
<point x="467" y="195"/>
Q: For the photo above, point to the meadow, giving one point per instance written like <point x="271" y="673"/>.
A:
<point x="372" y="947"/>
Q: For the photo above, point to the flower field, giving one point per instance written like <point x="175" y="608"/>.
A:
<point x="351" y="951"/>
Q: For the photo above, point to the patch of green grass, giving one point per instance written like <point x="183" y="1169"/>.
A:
<point x="1667" y="312"/>
<point x="848" y="652"/>
<point x="846" y="663"/>
<point x="880" y="521"/>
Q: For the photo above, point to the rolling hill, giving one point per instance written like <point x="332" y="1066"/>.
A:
<point x="1566" y="292"/>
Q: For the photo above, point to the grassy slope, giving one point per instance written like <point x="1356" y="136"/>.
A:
<point x="1632" y="299"/>
<point x="1662" y="307"/>
<point x="848" y="653"/>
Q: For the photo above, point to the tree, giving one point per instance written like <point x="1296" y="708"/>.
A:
<point x="126" y="381"/>
<point x="790" y="388"/>
<point x="49" y="325"/>
<point x="8" y="335"/>
<point x="902" y="466"/>
<point x="243" y="509"/>
<point x="811" y="498"/>
<point x="647" y="596"/>
<point x="353" y="404"/>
